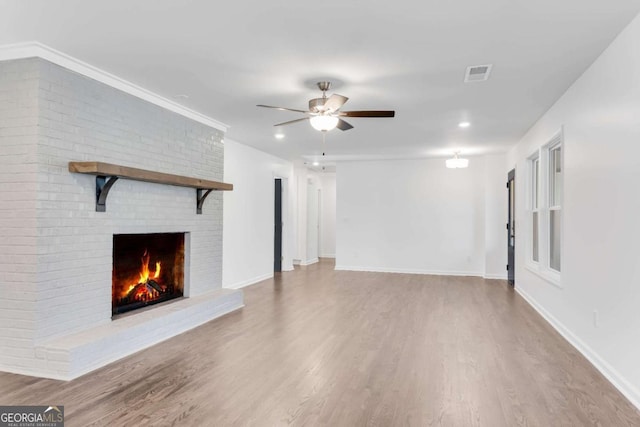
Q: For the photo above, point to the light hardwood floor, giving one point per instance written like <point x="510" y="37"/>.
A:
<point x="320" y="347"/>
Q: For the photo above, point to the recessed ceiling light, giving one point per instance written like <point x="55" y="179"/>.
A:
<point x="316" y="163"/>
<point x="464" y="124"/>
<point x="279" y="135"/>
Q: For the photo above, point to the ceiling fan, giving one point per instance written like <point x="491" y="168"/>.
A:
<point x="324" y="113"/>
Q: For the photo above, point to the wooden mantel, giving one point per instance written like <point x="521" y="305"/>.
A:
<point x="107" y="174"/>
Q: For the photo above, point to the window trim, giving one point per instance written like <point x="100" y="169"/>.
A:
<point x="542" y="267"/>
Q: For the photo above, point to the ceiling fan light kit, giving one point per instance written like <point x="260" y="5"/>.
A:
<point x="324" y="113"/>
<point x="324" y="123"/>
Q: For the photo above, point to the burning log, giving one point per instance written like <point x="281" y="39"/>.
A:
<point x="145" y="291"/>
<point x="138" y="289"/>
<point x="155" y="285"/>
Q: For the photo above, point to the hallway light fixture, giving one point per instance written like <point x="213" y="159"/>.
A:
<point x="324" y="123"/>
<point x="456" y="162"/>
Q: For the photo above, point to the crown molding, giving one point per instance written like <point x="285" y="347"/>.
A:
<point x="34" y="49"/>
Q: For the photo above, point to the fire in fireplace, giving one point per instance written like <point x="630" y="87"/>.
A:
<point x="147" y="269"/>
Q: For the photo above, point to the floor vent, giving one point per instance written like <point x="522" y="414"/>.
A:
<point x="477" y="73"/>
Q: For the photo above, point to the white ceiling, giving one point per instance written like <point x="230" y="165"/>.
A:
<point x="404" y="55"/>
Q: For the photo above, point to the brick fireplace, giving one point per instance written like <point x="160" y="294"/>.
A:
<point x="57" y="252"/>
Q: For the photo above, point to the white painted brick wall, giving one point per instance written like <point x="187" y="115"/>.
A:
<point x="55" y="250"/>
<point x="18" y="186"/>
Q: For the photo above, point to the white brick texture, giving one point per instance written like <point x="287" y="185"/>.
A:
<point x="55" y="249"/>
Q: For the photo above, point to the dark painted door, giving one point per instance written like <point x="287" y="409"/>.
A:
<point x="511" y="228"/>
<point x="277" y="222"/>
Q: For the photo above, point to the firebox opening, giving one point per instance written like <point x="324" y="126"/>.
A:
<point x="147" y="269"/>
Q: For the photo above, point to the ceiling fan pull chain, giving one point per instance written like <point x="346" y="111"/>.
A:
<point x="324" y="142"/>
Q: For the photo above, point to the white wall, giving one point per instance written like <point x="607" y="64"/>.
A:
<point x="313" y="220"/>
<point x="495" y="218"/>
<point x="415" y="216"/>
<point x="600" y="114"/>
<point x="300" y="179"/>
<point x="328" y="215"/>
<point x="249" y="213"/>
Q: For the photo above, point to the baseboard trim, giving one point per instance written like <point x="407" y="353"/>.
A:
<point x="310" y="261"/>
<point x="495" y="276"/>
<point x="408" y="271"/>
<point x="328" y="256"/>
<point x="609" y="372"/>
<point x="249" y="282"/>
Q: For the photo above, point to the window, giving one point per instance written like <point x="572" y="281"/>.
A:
<point x="535" y="208"/>
<point x="545" y="209"/>
<point x="555" y="200"/>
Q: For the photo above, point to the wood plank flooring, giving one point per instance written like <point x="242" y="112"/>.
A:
<point x="316" y="347"/>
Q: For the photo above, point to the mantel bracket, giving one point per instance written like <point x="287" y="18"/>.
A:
<point x="201" y="195"/>
<point x="103" y="185"/>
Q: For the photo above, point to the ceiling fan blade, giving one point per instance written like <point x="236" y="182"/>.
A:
<point x="373" y="113"/>
<point x="334" y="102"/>
<point x="292" y="121"/>
<point x="342" y="125"/>
<point x="282" y="108"/>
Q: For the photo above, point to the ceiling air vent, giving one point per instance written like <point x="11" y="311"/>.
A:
<point x="477" y="73"/>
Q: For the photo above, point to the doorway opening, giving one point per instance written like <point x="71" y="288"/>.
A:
<point x="511" y="228"/>
<point x="277" y="226"/>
